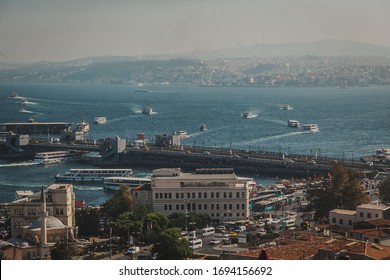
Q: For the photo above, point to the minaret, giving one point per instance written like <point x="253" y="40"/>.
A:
<point x="45" y="252"/>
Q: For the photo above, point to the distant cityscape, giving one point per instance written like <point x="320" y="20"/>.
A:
<point x="320" y="64"/>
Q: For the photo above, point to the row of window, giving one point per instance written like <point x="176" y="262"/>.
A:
<point x="195" y="207"/>
<point x="200" y="195"/>
<point x="341" y="221"/>
<point x="369" y="216"/>
<point x="34" y="211"/>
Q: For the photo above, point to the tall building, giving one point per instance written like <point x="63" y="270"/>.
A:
<point x="217" y="192"/>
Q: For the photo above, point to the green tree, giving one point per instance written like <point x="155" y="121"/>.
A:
<point x="126" y="224"/>
<point x="88" y="221"/>
<point x="384" y="191"/>
<point x="121" y="201"/>
<point x="171" y="246"/>
<point x="342" y="191"/>
<point x="154" y="224"/>
<point x="63" y="251"/>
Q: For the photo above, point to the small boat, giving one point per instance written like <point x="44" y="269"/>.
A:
<point x="248" y="115"/>
<point x="287" y="107"/>
<point x="23" y="100"/>
<point x="311" y="127"/>
<point x="203" y="127"/>
<point x="141" y="90"/>
<point x="13" y="95"/>
<point x="181" y="133"/>
<point x="147" y="110"/>
<point x="100" y="120"/>
<point x="293" y="123"/>
<point x="22" y="110"/>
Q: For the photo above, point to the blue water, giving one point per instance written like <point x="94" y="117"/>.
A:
<point x="353" y="122"/>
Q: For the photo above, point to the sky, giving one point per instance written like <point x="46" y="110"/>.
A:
<point x="60" y="30"/>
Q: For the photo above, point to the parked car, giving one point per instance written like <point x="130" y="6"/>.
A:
<point x="132" y="250"/>
<point x="215" y="242"/>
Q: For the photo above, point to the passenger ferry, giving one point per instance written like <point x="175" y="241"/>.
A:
<point x="293" y="123"/>
<point x="57" y="156"/>
<point x="311" y="127"/>
<point x="100" y="120"/>
<point x="181" y="133"/>
<point x="114" y="183"/>
<point x="287" y="107"/>
<point x="248" y="115"/>
<point x="96" y="175"/>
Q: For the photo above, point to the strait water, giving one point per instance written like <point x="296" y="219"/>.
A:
<point x="353" y="122"/>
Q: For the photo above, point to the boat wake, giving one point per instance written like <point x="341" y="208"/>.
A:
<point x="25" y="163"/>
<point x="276" y="121"/>
<point x="271" y="138"/>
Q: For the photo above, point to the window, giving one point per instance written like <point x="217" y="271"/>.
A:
<point x="243" y="206"/>
<point x="225" y="207"/>
<point x="199" y="195"/>
<point x="237" y="195"/>
<point x="199" y="206"/>
<point x="237" y="206"/>
<point x="182" y="195"/>
<point x="376" y="215"/>
<point x="182" y="207"/>
<point x="243" y="195"/>
<point x="188" y="195"/>
<point x="170" y="207"/>
<point x="177" y="195"/>
<point x="361" y="214"/>
<point x="161" y="195"/>
<point x="230" y="206"/>
<point x="230" y="195"/>
<point x="341" y="221"/>
<point x="369" y="215"/>
<point x="205" y="195"/>
<point x="165" y="195"/>
<point x="350" y="222"/>
<point x="165" y="207"/>
<point x="217" y="194"/>
<point x="212" y="206"/>
<point x="170" y="195"/>
<point x="193" y="195"/>
<point x="224" y="195"/>
<point x="156" y="195"/>
<point x="217" y="205"/>
<point x="205" y="207"/>
<point x="177" y="207"/>
<point x="212" y="194"/>
<point x="334" y="220"/>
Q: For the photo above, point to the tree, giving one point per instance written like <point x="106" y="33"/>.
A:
<point x="342" y="191"/>
<point x="171" y="246"/>
<point x="384" y="191"/>
<point x="63" y="251"/>
<point x="121" y="201"/>
<point x="88" y="221"/>
<point x="126" y="224"/>
<point x="154" y="224"/>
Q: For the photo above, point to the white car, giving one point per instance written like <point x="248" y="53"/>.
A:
<point x="262" y="232"/>
<point x="215" y="242"/>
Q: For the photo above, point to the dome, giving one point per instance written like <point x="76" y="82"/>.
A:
<point x="51" y="223"/>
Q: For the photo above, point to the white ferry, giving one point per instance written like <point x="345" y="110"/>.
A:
<point x="114" y="183"/>
<point x="248" y="115"/>
<point x="57" y="157"/>
<point x="181" y="133"/>
<point x="287" y="107"/>
<point x="293" y="123"/>
<point x="311" y="127"/>
<point x="92" y="175"/>
<point x="100" y="120"/>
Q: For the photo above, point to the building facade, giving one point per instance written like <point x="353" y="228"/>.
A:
<point x="60" y="203"/>
<point x="218" y="193"/>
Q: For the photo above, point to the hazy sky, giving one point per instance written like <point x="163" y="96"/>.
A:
<point x="34" y="30"/>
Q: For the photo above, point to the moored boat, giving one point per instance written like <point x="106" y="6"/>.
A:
<point x="92" y="174"/>
<point x="57" y="156"/>
<point x="114" y="183"/>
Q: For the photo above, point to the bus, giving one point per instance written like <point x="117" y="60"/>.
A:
<point x="208" y="231"/>
<point x="196" y="244"/>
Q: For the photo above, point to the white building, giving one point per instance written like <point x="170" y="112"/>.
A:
<point x="216" y="192"/>
<point x="342" y="218"/>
